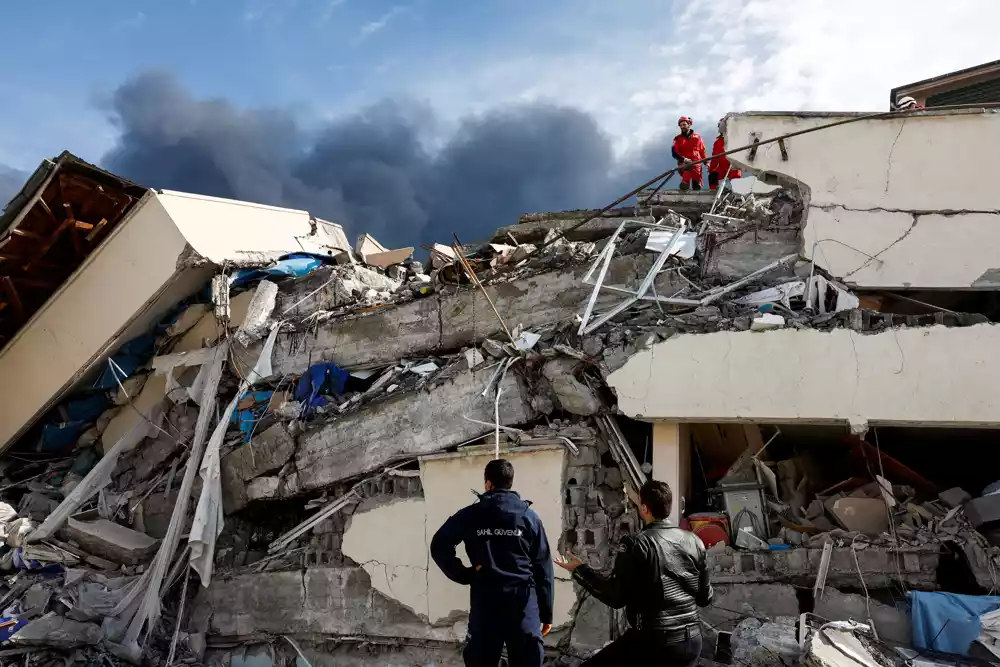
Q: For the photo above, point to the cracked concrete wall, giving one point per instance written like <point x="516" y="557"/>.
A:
<point x="331" y="600"/>
<point x="392" y="542"/>
<point x="896" y="189"/>
<point x="448" y="320"/>
<point x="405" y="426"/>
<point x="389" y="542"/>
<point x="931" y="376"/>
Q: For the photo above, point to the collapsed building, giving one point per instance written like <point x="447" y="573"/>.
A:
<point x="230" y="434"/>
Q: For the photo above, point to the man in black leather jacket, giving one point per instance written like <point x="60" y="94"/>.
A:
<point x="661" y="579"/>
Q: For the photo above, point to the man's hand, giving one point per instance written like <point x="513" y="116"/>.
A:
<point x="568" y="562"/>
<point x="546" y="627"/>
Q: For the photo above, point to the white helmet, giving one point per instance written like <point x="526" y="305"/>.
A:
<point x="906" y="102"/>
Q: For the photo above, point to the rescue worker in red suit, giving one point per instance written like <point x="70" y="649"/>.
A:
<point x="718" y="166"/>
<point x="688" y="147"/>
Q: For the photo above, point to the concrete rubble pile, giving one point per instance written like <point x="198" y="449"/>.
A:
<point x="289" y="428"/>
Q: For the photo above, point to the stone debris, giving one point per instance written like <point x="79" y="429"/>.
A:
<point x="341" y="371"/>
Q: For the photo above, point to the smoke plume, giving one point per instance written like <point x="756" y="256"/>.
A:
<point x="372" y="171"/>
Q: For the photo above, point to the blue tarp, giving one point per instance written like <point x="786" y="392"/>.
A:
<point x="128" y="359"/>
<point x="947" y="622"/>
<point x="87" y="408"/>
<point x="322" y="378"/>
<point x="248" y="417"/>
<point x="7" y="630"/>
<point x="295" y="265"/>
<point x="58" y="437"/>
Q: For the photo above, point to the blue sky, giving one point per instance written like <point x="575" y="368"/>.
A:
<point x="235" y="86"/>
<point x="632" y="63"/>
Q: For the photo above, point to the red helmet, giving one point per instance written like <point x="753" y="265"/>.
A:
<point x="685" y="119"/>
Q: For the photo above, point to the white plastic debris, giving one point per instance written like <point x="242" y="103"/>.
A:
<point x="526" y="341"/>
<point x="778" y="294"/>
<point x="683" y="247"/>
<point x="766" y="321"/>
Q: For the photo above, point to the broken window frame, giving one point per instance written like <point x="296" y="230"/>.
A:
<point x="603" y="260"/>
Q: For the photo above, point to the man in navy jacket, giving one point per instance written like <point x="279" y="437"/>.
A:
<point x="511" y="573"/>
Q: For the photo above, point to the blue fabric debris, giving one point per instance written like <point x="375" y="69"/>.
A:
<point x="294" y="265"/>
<point x="88" y="408"/>
<point x="320" y="379"/>
<point x="248" y="417"/>
<point x="23" y="563"/>
<point x="57" y="437"/>
<point x="7" y="630"/>
<point x="947" y="622"/>
<point x="129" y="358"/>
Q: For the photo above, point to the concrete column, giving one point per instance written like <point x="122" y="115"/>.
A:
<point x="672" y="461"/>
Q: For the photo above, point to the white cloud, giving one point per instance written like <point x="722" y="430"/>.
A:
<point x="638" y="73"/>
<point x="369" y="29"/>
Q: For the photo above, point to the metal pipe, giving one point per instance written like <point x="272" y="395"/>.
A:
<point x="715" y="296"/>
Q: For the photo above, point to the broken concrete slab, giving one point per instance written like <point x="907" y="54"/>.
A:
<point x="147" y="407"/>
<point x="768" y="600"/>
<point x="534" y="227"/>
<point x="983" y="510"/>
<point x="254" y="325"/>
<point x="574" y="396"/>
<point x="864" y="515"/>
<point x="407" y="425"/>
<point x="35" y="600"/>
<point x="109" y="540"/>
<point x="449" y="320"/>
<point x="954" y="497"/>
<point x="58" y="632"/>
<point x="263" y="488"/>
<point x="881" y="568"/>
<point x="388" y="258"/>
<point x="335" y="601"/>
<point x="328" y="288"/>
<point x="740" y="257"/>
<point x="891" y="623"/>
<point x="266" y="452"/>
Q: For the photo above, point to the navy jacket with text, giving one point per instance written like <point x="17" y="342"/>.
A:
<point x="506" y="544"/>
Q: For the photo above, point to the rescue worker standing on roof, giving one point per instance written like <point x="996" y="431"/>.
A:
<point x="660" y="577"/>
<point x="688" y="147"/>
<point x="511" y="573"/>
<point x="718" y="166"/>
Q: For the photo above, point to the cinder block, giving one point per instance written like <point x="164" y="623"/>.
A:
<point x="983" y="510"/>
<point x="111" y="541"/>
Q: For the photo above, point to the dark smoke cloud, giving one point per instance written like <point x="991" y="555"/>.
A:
<point x="11" y="181"/>
<point x="372" y="171"/>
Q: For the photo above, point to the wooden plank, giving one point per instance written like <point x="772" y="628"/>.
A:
<point x="26" y="234"/>
<point x="96" y="230"/>
<point x="60" y="230"/>
<point x="45" y="207"/>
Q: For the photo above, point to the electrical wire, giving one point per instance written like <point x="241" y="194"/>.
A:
<point x="864" y="587"/>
